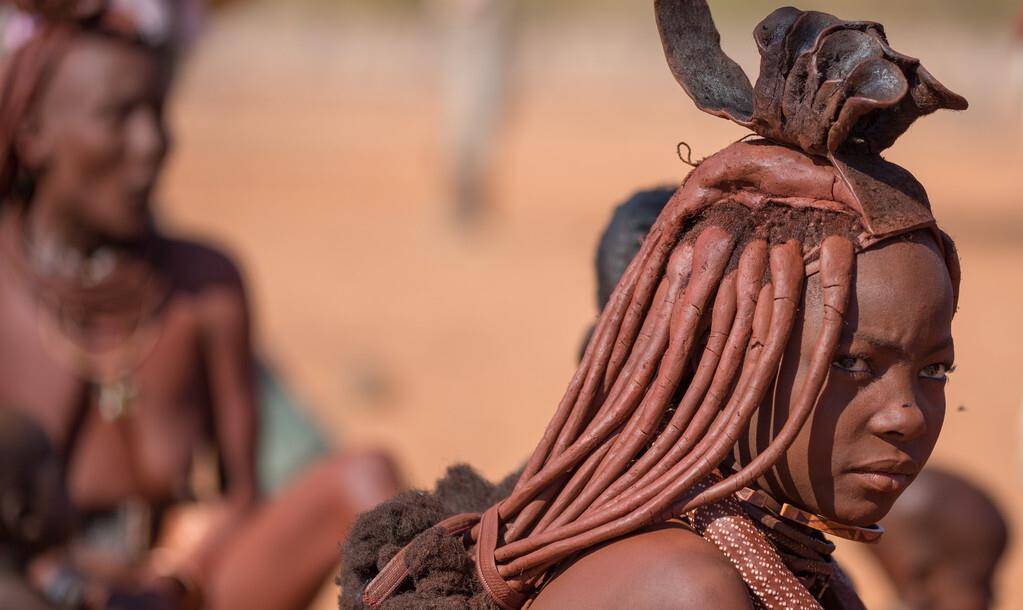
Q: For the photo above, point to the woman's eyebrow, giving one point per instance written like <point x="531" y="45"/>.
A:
<point x="888" y="344"/>
<point x="878" y="342"/>
<point x="942" y="345"/>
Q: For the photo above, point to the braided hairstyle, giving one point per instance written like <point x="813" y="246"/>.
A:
<point x="692" y="337"/>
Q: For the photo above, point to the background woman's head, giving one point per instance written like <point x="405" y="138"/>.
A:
<point x="84" y="129"/>
<point x="95" y="141"/>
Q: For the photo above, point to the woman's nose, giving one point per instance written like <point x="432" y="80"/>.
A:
<point x="899" y="417"/>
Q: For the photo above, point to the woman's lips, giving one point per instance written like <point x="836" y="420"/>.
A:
<point x="887" y="475"/>
<point x="884" y="482"/>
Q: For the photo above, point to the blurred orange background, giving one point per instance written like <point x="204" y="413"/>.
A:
<point x="310" y="143"/>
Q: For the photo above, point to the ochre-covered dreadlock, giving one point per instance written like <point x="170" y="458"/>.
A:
<point x="693" y="336"/>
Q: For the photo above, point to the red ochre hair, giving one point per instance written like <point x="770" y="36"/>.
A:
<point x="693" y="335"/>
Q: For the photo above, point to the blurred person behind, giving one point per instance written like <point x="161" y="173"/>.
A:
<point x="35" y="516"/>
<point x="131" y="348"/>
<point x="620" y="241"/>
<point x="943" y="543"/>
<point x="1017" y="59"/>
<point x="34" y="508"/>
<point x="477" y="38"/>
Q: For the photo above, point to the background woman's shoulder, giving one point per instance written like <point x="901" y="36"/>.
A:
<point x="196" y="265"/>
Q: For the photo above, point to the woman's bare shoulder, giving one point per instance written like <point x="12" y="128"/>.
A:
<point x="666" y="567"/>
<point x="198" y="266"/>
<point x="209" y="276"/>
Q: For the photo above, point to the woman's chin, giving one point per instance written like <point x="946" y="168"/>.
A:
<point x="862" y="512"/>
<point x="862" y="501"/>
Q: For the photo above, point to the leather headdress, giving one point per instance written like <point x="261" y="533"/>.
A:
<point x="833" y="89"/>
<point x="828" y="87"/>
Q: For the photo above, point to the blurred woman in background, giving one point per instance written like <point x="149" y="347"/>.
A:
<point x="132" y="349"/>
<point x="477" y="45"/>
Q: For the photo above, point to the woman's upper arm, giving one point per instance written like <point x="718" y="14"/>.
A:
<point x="231" y="375"/>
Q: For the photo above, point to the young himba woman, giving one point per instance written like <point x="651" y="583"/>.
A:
<point x="770" y="368"/>
<point x="131" y="348"/>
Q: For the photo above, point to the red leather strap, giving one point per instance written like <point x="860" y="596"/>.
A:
<point x="395" y="572"/>
<point x="486" y="566"/>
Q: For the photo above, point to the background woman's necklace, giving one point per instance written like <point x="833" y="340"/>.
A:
<point x="114" y="399"/>
<point x="103" y="349"/>
<point x="105" y="356"/>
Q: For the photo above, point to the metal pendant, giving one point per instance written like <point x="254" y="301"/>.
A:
<point x="114" y="398"/>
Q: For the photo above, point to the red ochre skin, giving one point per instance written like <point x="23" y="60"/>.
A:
<point x="899" y="321"/>
<point x="94" y="143"/>
<point x="877" y="421"/>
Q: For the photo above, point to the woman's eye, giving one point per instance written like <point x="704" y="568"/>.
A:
<point x="937" y="371"/>
<point x="852" y="364"/>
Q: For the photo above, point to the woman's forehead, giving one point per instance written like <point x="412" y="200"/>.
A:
<point x="903" y="294"/>
<point x="97" y="66"/>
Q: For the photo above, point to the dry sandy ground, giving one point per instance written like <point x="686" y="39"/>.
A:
<point x="309" y="146"/>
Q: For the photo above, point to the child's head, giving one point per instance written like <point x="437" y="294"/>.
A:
<point x="35" y="512"/>
<point x="624" y="234"/>
<point x="943" y="543"/>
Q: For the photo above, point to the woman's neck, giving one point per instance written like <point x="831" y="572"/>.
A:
<point x="47" y="226"/>
<point x="57" y="246"/>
